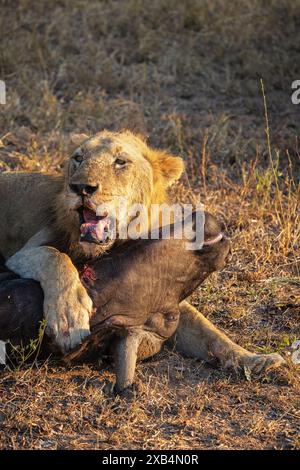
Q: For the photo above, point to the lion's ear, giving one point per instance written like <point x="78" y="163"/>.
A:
<point x="171" y="168"/>
<point x="78" y="139"/>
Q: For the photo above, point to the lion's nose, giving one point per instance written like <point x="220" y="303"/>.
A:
<point x="83" y="189"/>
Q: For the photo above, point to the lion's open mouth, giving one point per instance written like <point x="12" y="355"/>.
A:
<point x="94" y="228"/>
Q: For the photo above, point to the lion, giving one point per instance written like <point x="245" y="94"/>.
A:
<point x="50" y="224"/>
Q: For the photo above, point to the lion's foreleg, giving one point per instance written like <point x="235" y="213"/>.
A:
<point x="198" y="337"/>
<point x="67" y="306"/>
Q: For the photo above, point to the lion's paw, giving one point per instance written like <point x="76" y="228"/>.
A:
<point x="256" y="363"/>
<point x="260" y="363"/>
<point x="67" y="316"/>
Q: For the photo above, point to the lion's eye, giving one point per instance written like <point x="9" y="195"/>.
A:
<point x="120" y="163"/>
<point x="78" y="157"/>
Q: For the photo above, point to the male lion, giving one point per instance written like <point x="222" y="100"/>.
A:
<point x="50" y="222"/>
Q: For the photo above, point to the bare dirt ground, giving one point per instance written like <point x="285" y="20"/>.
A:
<point x="186" y="73"/>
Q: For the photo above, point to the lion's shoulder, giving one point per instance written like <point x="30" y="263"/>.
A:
<point x="26" y="206"/>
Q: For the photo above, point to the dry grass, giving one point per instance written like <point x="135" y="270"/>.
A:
<point x="188" y="74"/>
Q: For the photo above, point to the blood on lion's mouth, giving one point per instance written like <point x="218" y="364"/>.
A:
<point x="93" y="228"/>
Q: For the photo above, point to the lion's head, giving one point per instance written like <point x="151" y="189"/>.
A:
<point x="103" y="170"/>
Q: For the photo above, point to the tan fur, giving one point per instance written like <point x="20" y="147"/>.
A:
<point x="38" y="219"/>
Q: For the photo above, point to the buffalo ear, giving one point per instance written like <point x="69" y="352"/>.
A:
<point x="171" y="168"/>
<point x="78" y="139"/>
